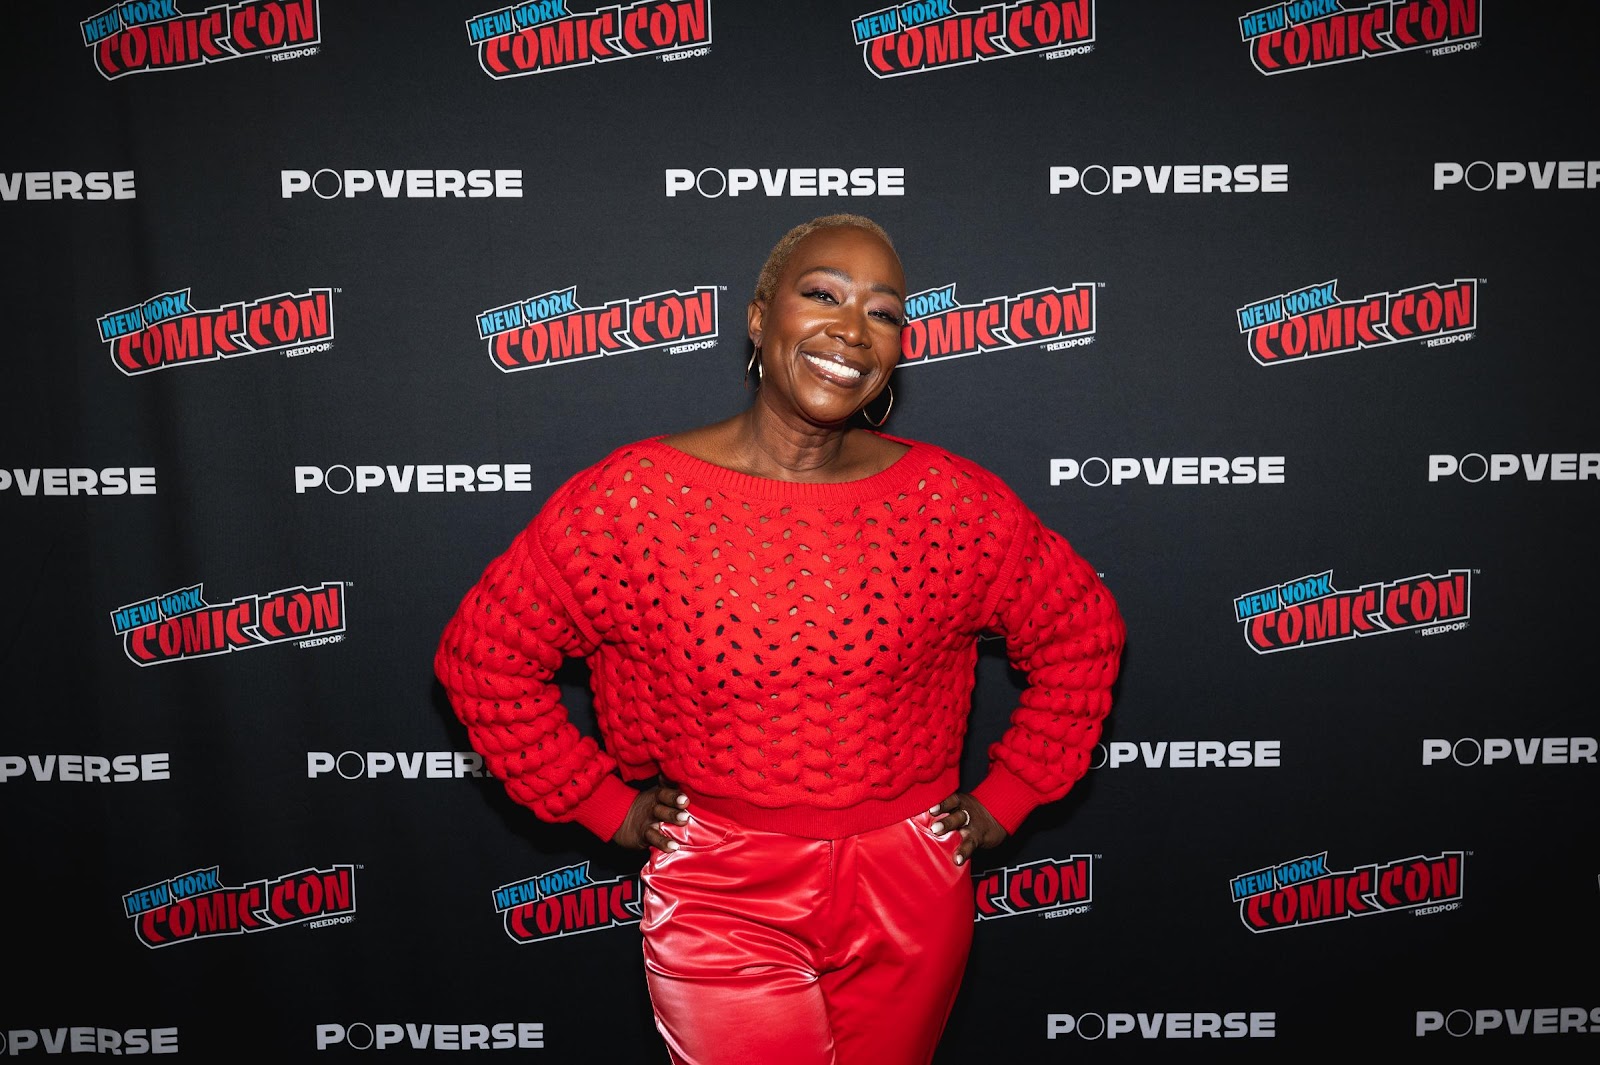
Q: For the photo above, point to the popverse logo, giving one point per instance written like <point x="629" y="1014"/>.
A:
<point x="1480" y="176"/>
<point x="67" y="185"/>
<point x="88" y="1039"/>
<point x="1163" y="1025"/>
<point x="1539" y="466"/>
<point x="805" y="181"/>
<point x="1096" y="179"/>
<point x="410" y="184"/>
<point x="507" y="1035"/>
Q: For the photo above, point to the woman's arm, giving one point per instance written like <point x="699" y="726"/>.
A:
<point x="497" y="661"/>
<point x="1063" y="630"/>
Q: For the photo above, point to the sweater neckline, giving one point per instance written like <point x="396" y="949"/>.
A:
<point x="861" y="490"/>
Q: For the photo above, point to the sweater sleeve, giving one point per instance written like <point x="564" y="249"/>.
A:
<point x="497" y="661"/>
<point x="1062" y="629"/>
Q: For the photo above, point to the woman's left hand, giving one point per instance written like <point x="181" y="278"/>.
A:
<point x="966" y="815"/>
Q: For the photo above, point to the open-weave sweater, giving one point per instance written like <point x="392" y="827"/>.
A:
<point x="799" y="656"/>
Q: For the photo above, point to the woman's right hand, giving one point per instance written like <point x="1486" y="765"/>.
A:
<point x="642" y="827"/>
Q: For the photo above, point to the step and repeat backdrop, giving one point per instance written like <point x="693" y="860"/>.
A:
<point x="1281" y="313"/>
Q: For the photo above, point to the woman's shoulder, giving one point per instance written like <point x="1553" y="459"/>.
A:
<point x="957" y="465"/>
<point x="602" y="476"/>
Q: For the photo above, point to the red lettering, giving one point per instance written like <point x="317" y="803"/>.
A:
<point x="293" y="614"/>
<point x="1047" y="23"/>
<point x="1050" y="314"/>
<point x="1427" y="22"/>
<point x="963" y="38"/>
<point x="184" y="41"/>
<point x="653" y="27"/>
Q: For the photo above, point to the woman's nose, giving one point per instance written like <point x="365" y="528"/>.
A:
<point x="849" y="325"/>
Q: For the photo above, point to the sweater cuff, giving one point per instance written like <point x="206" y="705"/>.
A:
<point x="1007" y="798"/>
<point x="605" y="809"/>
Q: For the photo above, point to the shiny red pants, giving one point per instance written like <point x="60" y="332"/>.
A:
<point x="767" y="949"/>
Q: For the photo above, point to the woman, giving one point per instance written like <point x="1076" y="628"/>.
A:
<point x="780" y="614"/>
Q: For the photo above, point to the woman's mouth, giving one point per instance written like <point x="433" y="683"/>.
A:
<point x="835" y="371"/>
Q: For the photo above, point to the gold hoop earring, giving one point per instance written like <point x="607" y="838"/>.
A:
<point x="754" y="363"/>
<point x="886" y="410"/>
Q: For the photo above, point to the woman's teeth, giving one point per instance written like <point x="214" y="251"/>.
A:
<point x="836" y="369"/>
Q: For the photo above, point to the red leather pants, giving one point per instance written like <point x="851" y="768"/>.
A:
<point x="768" y="949"/>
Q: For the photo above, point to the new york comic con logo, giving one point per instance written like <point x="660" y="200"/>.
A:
<point x="1316" y="33"/>
<point x="168" y="330"/>
<point x="182" y="625"/>
<point x="925" y="35"/>
<point x="1050" y="887"/>
<point x="940" y="327"/>
<point x="1313" y="321"/>
<point x="144" y="35"/>
<point x="198" y="905"/>
<point x="566" y="901"/>
<point x="554" y="328"/>
<point x="544" y="35"/>
<point x="1309" y="610"/>
<point x="1305" y="891"/>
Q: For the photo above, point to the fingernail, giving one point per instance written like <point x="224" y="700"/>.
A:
<point x="672" y="844"/>
<point x="933" y="809"/>
<point x="683" y="800"/>
<point x="959" y="859"/>
<point x="683" y="818"/>
<point x="938" y="828"/>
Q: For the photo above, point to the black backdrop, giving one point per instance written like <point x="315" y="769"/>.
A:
<point x="1435" y="764"/>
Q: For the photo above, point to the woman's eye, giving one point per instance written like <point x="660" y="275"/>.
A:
<point x="818" y="293"/>
<point x="889" y="316"/>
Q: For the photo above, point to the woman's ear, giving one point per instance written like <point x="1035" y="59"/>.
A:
<point x="754" y="314"/>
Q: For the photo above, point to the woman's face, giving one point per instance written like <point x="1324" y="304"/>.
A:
<point x="830" y="333"/>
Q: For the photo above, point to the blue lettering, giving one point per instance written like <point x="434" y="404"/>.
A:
<point x="920" y="12"/>
<point x="182" y="602"/>
<point x="934" y="301"/>
<point x="145" y="899"/>
<point x="196" y="883"/>
<point x="119" y="323"/>
<point x="131" y="617"/>
<point x="1258" y="314"/>
<point x="876" y="24"/>
<point x="1260" y="22"/>
<point x="102" y="25"/>
<point x="499" y="320"/>
<point x="166" y="305"/>
<point x="1300" y="869"/>
<point x="1248" y="606"/>
<point x="1306" y="588"/>
<point x="494" y="24"/>
<point x="515" y="895"/>
<point x="574" y="876"/>
<point x="1311" y="299"/>
<point x="536" y="12"/>
<point x="551" y="305"/>
<point x="1251" y="884"/>
<point x="1305" y="10"/>
<point x="138" y="11"/>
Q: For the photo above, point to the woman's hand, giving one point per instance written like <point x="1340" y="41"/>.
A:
<point x="966" y="815"/>
<point x="642" y="827"/>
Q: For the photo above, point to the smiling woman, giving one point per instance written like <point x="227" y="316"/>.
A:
<point x="824" y="325"/>
<point x="780" y="612"/>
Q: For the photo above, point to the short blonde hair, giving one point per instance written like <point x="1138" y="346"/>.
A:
<point x="778" y="258"/>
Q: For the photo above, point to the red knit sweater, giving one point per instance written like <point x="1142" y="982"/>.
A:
<point x="798" y="656"/>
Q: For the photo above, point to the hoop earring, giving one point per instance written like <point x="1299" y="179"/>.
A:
<point x="754" y="363"/>
<point x="886" y="410"/>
